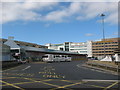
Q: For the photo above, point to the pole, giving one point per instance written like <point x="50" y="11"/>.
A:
<point x="102" y="15"/>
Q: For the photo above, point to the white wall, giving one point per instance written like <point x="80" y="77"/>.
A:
<point x="89" y="48"/>
<point x="81" y="48"/>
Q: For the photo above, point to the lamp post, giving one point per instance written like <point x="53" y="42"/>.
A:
<point x="102" y="15"/>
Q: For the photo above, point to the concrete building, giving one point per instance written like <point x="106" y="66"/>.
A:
<point x="22" y="50"/>
<point x="21" y="43"/>
<point x="55" y="46"/>
<point x="81" y="48"/>
<point x="4" y="52"/>
<point x="18" y="49"/>
<point x="111" y="46"/>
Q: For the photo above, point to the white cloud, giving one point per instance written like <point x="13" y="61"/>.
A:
<point x="92" y="10"/>
<point x="28" y="11"/>
<point x="112" y="18"/>
<point x="60" y="15"/>
<point x="61" y="0"/>
<point x="23" y="11"/>
<point x="89" y="34"/>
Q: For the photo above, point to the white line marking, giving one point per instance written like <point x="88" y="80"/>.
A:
<point x="26" y="68"/>
<point x="100" y="80"/>
<point x="97" y="70"/>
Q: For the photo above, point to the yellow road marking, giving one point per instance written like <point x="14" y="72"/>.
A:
<point x="11" y="68"/>
<point x="8" y="77"/>
<point x="23" y="83"/>
<point x="67" y="81"/>
<point x="71" y="84"/>
<point x="68" y="88"/>
<point x="96" y="86"/>
<point x="3" y="85"/>
<point x="48" y="84"/>
<point x="19" y="83"/>
<point x="58" y="88"/>
<point x="48" y="80"/>
<point x="12" y="85"/>
<point x="43" y="82"/>
<point x="53" y="89"/>
<point x="21" y="74"/>
<point x="111" y="85"/>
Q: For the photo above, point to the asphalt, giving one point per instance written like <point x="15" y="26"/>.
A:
<point x="67" y="75"/>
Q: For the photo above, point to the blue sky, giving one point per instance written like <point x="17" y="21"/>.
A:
<point x="58" y="22"/>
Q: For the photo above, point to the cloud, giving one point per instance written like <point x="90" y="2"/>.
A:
<point x="60" y="15"/>
<point x="24" y="11"/>
<point x="52" y="11"/>
<point x="61" y="0"/>
<point x="92" y="10"/>
<point x="89" y="34"/>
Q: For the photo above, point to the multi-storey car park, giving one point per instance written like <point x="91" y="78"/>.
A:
<point x="105" y="47"/>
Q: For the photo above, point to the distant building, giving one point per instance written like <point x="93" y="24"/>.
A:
<point x="21" y="43"/>
<point x="18" y="49"/>
<point x="4" y="52"/>
<point x="81" y="48"/>
<point x="111" y="47"/>
<point x="22" y="50"/>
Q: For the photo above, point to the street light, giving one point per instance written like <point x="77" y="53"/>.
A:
<point x="102" y="15"/>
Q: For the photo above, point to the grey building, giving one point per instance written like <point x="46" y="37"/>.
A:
<point x="4" y="52"/>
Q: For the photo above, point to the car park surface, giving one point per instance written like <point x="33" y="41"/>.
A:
<point x="67" y="75"/>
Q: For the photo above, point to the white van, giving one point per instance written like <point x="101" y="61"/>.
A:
<point x="56" y="58"/>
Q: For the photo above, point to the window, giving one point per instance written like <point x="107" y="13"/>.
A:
<point x="61" y="49"/>
<point x="69" y="56"/>
<point x="57" y="56"/>
<point x="15" y="51"/>
<point x="44" y="56"/>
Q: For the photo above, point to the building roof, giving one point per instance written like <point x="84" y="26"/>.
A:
<point x="45" y="50"/>
<point x="25" y="43"/>
<point x="108" y="40"/>
<point x="12" y="44"/>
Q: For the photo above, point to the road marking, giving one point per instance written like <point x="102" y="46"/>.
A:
<point x="71" y="84"/>
<point x="42" y="82"/>
<point x="8" y="77"/>
<point x="99" y="80"/>
<point x="19" y="83"/>
<point x="58" y="88"/>
<point x="97" y="69"/>
<point x="23" y="83"/>
<point x="96" y="86"/>
<point x="26" y="68"/>
<point x="11" y="68"/>
<point x="111" y="85"/>
<point x="12" y="85"/>
<point x="48" y="80"/>
<point x="67" y="81"/>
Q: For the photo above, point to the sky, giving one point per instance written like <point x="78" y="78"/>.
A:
<point x="58" y="22"/>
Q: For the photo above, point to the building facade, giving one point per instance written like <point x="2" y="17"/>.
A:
<point x="105" y="47"/>
<point x="4" y="52"/>
<point x="18" y="52"/>
<point x="23" y="50"/>
<point x="81" y="48"/>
